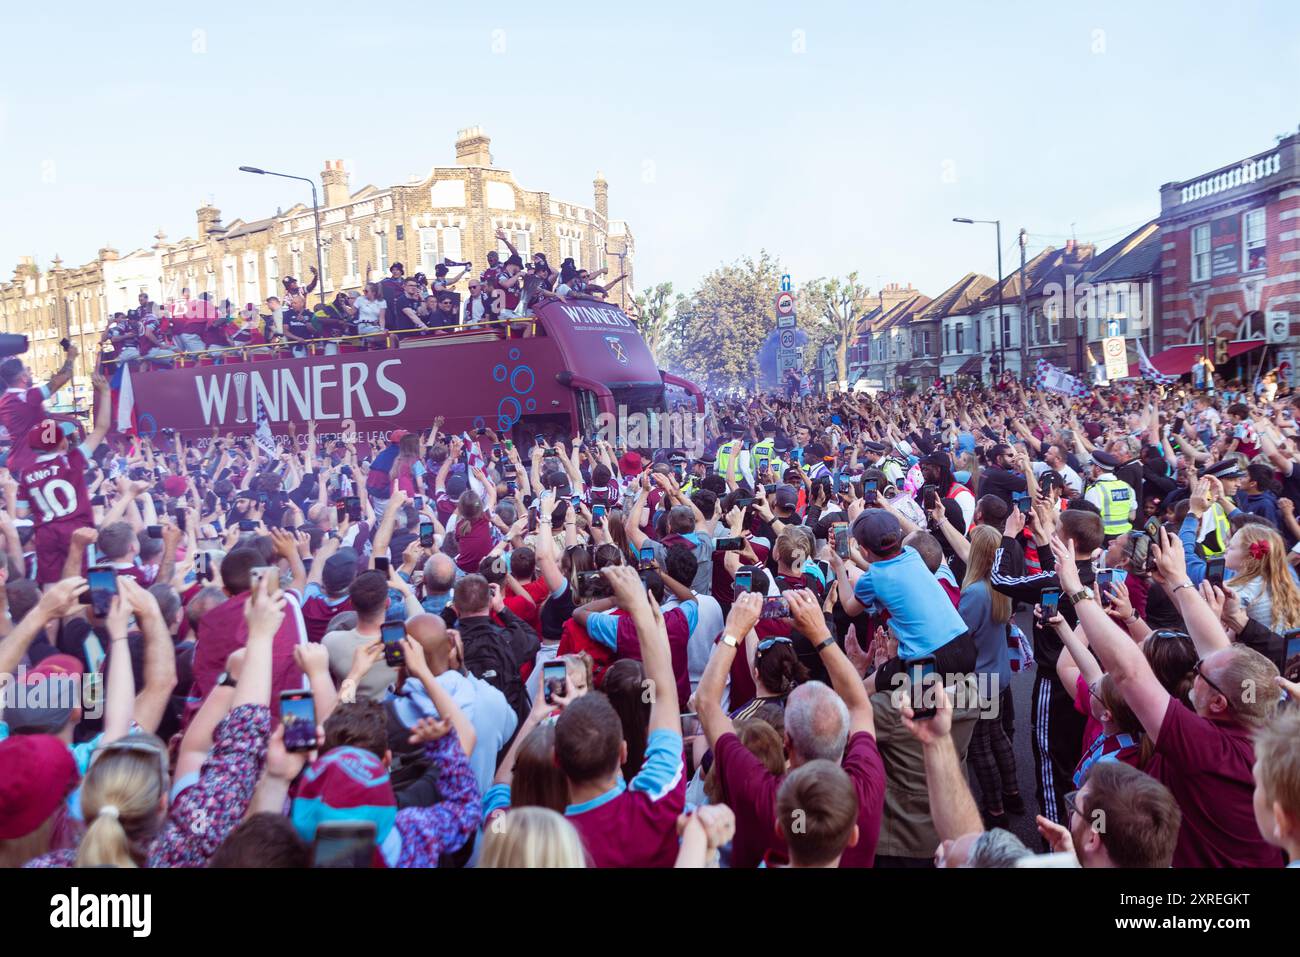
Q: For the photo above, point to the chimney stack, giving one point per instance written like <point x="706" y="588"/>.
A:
<point x="602" y="195"/>
<point x="335" y="180"/>
<point x="209" y="220"/>
<point x="472" y="147"/>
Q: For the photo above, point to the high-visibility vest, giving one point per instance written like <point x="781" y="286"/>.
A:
<point x="893" y="469"/>
<point x="1224" y="533"/>
<point x="763" y="454"/>
<point x="1116" y="505"/>
<point x="725" y="452"/>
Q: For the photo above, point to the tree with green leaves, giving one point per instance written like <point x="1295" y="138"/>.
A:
<point x="832" y="311"/>
<point x="725" y="320"/>
<point x="658" y="317"/>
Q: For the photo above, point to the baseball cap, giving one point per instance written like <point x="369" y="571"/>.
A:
<point x="43" y="439"/>
<point x="879" y="531"/>
<point x="50" y="682"/>
<point x="785" y="496"/>
<point x="457" y="481"/>
<point x="36" y="773"/>
<point x="340" y="569"/>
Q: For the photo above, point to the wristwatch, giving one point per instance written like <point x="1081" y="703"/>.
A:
<point x="823" y="645"/>
<point x="729" y="640"/>
<point x="226" y="680"/>
<point x="1081" y="595"/>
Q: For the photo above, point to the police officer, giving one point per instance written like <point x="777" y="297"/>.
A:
<point x="686" y="476"/>
<point x="763" y="454"/>
<point x="1215" y="530"/>
<point x="1115" y="499"/>
<point x="735" y="449"/>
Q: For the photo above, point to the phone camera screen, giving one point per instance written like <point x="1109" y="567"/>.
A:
<point x="103" y="586"/>
<point x="298" y="715"/>
<point x="392" y="633"/>
<point x="554" y="680"/>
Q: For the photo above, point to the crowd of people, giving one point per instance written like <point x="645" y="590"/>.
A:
<point x="796" y="648"/>
<point x="372" y="316"/>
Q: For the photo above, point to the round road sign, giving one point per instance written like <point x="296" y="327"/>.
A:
<point x="785" y="304"/>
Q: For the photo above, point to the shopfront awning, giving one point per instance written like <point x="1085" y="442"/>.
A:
<point x="1178" y="360"/>
<point x="971" y="366"/>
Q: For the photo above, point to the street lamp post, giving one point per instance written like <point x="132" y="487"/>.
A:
<point x="315" y="212"/>
<point x="997" y="224"/>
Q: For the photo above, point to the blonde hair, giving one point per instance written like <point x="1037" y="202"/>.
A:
<point x="1272" y="570"/>
<point x="583" y="663"/>
<point x="762" y="741"/>
<point x="532" y="837"/>
<point x="17" y="851"/>
<point x="984" y="543"/>
<point x="123" y="800"/>
<point x="792" y="549"/>
<point x="1277" y="753"/>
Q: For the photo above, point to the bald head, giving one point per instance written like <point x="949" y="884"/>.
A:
<point x="439" y="575"/>
<point x="431" y="633"/>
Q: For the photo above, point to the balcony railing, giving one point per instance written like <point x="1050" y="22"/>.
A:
<point x="1250" y="171"/>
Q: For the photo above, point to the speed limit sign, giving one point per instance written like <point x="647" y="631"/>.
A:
<point x="1115" y="352"/>
<point x="787" y="338"/>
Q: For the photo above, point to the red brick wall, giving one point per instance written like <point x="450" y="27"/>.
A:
<point x="1225" y="300"/>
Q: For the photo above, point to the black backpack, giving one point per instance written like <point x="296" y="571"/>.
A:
<point x="489" y="658"/>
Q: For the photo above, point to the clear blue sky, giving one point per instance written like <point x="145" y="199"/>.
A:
<point x="854" y="154"/>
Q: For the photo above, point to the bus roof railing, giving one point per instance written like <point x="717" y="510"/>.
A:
<point x="254" y="352"/>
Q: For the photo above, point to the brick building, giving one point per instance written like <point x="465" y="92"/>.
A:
<point x="452" y="213"/>
<point x="925" y="327"/>
<point x="890" y="342"/>
<point x="1230" y="240"/>
<point x="859" y="353"/>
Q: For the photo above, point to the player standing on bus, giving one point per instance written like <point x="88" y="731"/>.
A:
<point x="23" y="404"/>
<point x="52" y="488"/>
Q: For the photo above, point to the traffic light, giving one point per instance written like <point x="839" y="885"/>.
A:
<point x="1220" y="350"/>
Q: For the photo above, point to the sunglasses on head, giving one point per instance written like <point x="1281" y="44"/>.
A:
<point x="140" y="744"/>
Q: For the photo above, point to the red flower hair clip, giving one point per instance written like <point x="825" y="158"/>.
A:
<point x="1259" y="549"/>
